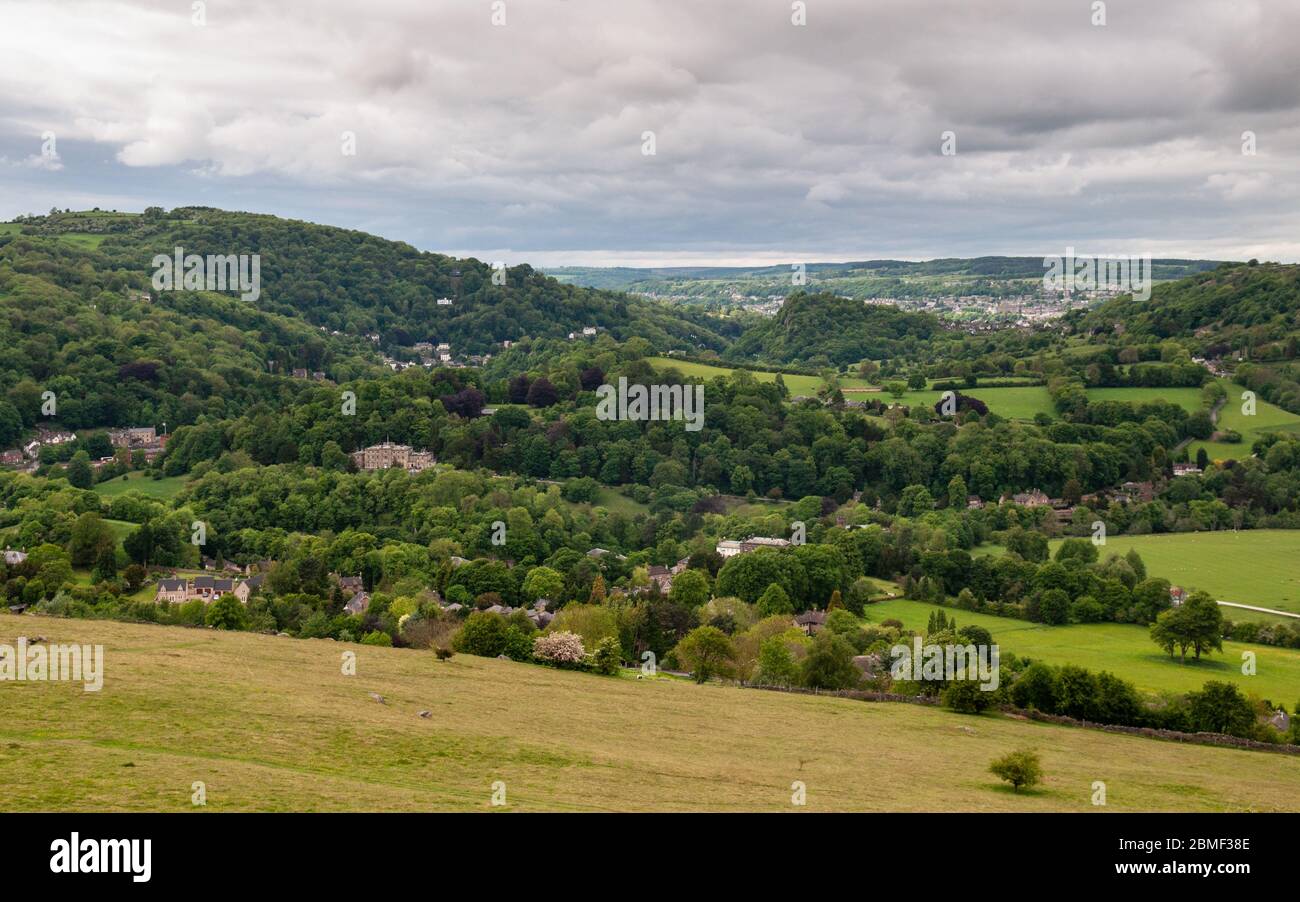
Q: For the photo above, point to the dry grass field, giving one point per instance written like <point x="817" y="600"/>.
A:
<point x="272" y="724"/>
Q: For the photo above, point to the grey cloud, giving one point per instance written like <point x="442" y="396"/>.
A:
<point x="816" y="141"/>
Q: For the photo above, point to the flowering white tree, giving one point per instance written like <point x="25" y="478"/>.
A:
<point x="559" y="648"/>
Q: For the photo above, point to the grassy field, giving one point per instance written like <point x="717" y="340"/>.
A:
<point x="618" y="503"/>
<point x="798" y="385"/>
<point x="1254" y="566"/>
<point x="163" y="489"/>
<point x="121" y="528"/>
<point x="1187" y="398"/>
<point x="1019" y="402"/>
<point x="272" y="724"/>
<point x="1267" y="418"/>
<point x="1124" y="649"/>
<point x="89" y="240"/>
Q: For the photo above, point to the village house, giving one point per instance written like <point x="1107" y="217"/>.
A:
<point x="811" y="622"/>
<point x="350" y="584"/>
<point x="14" y="558"/>
<point x="1177" y="595"/>
<point x="174" y="591"/>
<point x="246" y="588"/>
<point x="538" y="614"/>
<point x="210" y="588"/>
<point x="12" y="458"/>
<point x="205" y="588"/>
<point x="388" y="454"/>
<point x="753" y="543"/>
<point x="730" y="547"/>
<point x="662" y="577"/>
<point x="357" y="604"/>
<point x="1032" y="498"/>
<point x="225" y="566"/>
<point x="1131" y="492"/>
<point x="1186" y="470"/>
<point x="133" y="437"/>
<point x="137" y="438"/>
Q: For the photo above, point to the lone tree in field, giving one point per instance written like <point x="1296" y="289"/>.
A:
<point x="1019" y="769"/>
<point x="1196" y="624"/>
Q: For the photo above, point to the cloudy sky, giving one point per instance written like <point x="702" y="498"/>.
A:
<point x="773" y="141"/>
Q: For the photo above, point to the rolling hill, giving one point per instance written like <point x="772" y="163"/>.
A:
<point x="79" y="317"/>
<point x="825" y="328"/>
<point x="356" y="283"/>
<point x="998" y="276"/>
<point x="1235" y="303"/>
<point x="270" y="723"/>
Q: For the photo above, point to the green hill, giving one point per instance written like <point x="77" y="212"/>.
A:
<point x="824" y="328"/>
<point x="78" y="316"/>
<point x="80" y="323"/>
<point x="356" y="283"/>
<point x="1235" y="303"/>
<point x="272" y="724"/>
